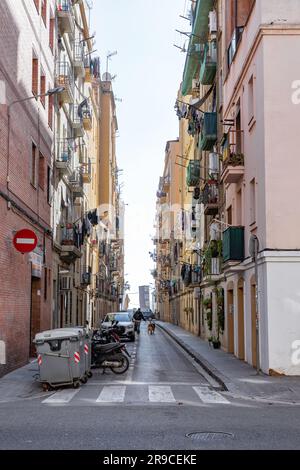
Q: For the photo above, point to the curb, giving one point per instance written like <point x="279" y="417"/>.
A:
<point x="209" y="368"/>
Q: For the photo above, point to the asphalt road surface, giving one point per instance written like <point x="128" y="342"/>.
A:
<point x="161" y="399"/>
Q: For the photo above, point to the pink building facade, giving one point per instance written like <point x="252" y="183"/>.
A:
<point x="259" y="73"/>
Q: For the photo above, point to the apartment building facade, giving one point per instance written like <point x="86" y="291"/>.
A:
<point x="244" y="120"/>
<point x="51" y="176"/>
<point x="26" y="133"/>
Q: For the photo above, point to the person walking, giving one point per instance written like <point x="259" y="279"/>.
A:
<point x="138" y="317"/>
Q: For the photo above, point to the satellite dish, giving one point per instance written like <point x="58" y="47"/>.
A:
<point x="106" y="77"/>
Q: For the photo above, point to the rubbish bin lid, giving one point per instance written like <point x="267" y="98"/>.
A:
<point x="56" y="334"/>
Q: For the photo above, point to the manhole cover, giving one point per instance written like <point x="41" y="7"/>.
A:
<point x="209" y="436"/>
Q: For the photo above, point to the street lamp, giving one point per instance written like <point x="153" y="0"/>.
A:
<point x="51" y="92"/>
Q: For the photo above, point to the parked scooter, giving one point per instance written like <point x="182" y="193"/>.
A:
<point x="109" y="355"/>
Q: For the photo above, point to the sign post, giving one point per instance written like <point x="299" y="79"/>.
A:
<point x="25" y="241"/>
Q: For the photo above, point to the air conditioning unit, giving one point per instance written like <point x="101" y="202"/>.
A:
<point x="213" y="22"/>
<point x="65" y="283"/>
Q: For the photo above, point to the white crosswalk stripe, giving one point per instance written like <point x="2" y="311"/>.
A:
<point x="143" y="394"/>
<point x="112" y="394"/>
<point x="161" y="394"/>
<point x="63" y="397"/>
<point x="209" y="396"/>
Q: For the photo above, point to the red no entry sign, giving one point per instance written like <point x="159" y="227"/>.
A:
<point x="25" y="241"/>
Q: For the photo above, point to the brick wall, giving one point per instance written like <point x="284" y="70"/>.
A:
<point x="25" y="32"/>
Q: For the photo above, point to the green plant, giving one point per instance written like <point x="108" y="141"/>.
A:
<point x="220" y="310"/>
<point x="209" y="319"/>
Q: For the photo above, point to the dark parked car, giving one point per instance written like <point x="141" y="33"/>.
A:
<point x="148" y="314"/>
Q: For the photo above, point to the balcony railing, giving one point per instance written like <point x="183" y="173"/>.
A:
<point x="233" y="168"/>
<point x="86" y="172"/>
<point x="209" y="64"/>
<point x="65" y="79"/>
<point x="66" y="22"/>
<point x="87" y="117"/>
<point x="210" y="197"/>
<point x="70" y="242"/>
<point x="64" y="155"/>
<point x="78" y="58"/>
<point x="77" y="122"/>
<point x="193" y="173"/>
<point x="208" y="136"/>
<point x="76" y="183"/>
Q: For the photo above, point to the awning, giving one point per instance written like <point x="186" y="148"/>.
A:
<point x="199" y="36"/>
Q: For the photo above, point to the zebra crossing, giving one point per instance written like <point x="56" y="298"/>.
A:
<point x="145" y="394"/>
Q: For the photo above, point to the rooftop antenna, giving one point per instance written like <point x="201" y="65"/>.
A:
<point x="108" y="57"/>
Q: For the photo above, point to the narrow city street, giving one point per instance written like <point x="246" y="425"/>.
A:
<point x="160" y="400"/>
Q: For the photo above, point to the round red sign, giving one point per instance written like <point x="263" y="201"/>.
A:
<point x="25" y="241"/>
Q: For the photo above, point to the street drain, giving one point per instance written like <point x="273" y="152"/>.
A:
<point x="209" y="436"/>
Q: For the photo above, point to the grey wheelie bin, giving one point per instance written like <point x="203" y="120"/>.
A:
<point x="60" y="357"/>
<point x="86" y="349"/>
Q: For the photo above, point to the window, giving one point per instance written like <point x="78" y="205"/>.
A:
<point x="35" y="76"/>
<point x="37" y="5"/>
<point x="44" y="11"/>
<point x="51" y="33"/>
<point x="42" y="171"/>
<point x="238" y="130"/>
<point x="229" y="215"/>
<point x="43" y="88"/>
<point x="49" y="185"/>
<point x="236" y="17"/>
<point x="45" y="283"/>
<point x="33" y="165"/>
<point x="252" y="202"/>
<point x="50" y="111"/>
<point x="250" y="101"/>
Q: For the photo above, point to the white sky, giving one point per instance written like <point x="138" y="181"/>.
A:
<point x="149" y="71"/>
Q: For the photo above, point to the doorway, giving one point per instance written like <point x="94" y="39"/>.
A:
<point x="253" y="322"/>
<point x="230" y="320"/>
<point x="35" y="313"/>
<point x="241" y="321"/>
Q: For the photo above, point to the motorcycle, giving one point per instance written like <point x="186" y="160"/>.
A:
<point x="109" y="355"/>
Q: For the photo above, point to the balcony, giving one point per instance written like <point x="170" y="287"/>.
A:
<point x="208" y="136"/>
<point x="233" y="168"/>
<point x="69" y="243"/>
<point x="234" y="244"/>
<point x="65" y="16"/>
<point x="76" y="121"/>
<point x="209" y="64"/>
<point x="76" y="183"/>
<point x="193" y="173"/>
<point x="87" y="117"/>
<point x="65" y="79"/>
<point x="64" y="155"/>
<point x="87" y="172"/>
<point x="78" y="59"/>
<point x="210" y="197"/>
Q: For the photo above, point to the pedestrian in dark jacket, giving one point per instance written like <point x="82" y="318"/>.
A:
<point x="138" y="317"/>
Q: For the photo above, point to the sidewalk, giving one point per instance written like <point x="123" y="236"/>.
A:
<point x="20" y="384"/>
<point x="233" y="375"/>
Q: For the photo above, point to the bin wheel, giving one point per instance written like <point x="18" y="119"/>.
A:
<point x="90" y="374"/>
<point x="76" y="384"/>
<point x="84" y="380"/>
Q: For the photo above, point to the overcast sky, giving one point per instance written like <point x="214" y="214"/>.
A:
<point x="149" y="71"/>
